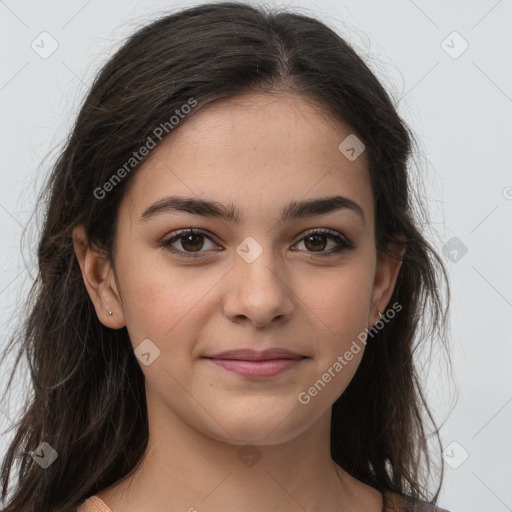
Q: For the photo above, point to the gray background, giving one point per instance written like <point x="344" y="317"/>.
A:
<point x="459" y="104"/>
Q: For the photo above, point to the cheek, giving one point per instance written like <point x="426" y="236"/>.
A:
<point x="339" y="302"/>
<point x="340" y="308"/>
<point x="160" y="300"/>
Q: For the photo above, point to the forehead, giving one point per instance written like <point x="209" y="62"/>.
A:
<point x="256" y="151"/>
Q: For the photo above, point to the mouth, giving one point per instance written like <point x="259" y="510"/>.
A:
<point x="257" y="367"/>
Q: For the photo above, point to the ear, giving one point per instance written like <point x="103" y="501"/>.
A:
<point x="386" y="273"/>
<point x="99" y="280"/>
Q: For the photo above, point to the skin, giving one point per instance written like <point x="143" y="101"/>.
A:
<point x="259" y="152"/>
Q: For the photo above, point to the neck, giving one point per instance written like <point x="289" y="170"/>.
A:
<point x="184" y="469"/>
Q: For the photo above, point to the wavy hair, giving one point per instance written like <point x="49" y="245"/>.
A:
<point x="88" y="391"/>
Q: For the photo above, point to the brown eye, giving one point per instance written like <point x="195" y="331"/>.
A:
<point x="188" y="243"/>
<point x="190" y="240"/>
<point x="315" y="241"/>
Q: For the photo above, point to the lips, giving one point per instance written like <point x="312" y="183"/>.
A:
<point x="254" y="355"/>
<point x="253" y="364"/>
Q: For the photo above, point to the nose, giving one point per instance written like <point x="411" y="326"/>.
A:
<point x="258" y="291"/>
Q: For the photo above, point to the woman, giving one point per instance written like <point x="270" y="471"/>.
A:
<point x="231" y="283"/>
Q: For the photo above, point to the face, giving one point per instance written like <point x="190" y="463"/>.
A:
<point x="257" y="279"/>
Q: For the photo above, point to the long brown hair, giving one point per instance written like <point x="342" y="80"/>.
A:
<point x="88" y="392"/>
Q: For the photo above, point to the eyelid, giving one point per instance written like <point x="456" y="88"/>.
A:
<point x="344" y="243"/>
<point x="175" y="236"/>
<point x="326" y="232"/>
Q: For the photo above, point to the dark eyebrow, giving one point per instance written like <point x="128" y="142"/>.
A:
<point x="294" y="210"/>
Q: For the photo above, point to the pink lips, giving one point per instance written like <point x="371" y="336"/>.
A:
<point x="251" y="363"/>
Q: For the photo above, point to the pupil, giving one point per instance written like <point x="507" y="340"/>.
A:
<point x="191" y="237"/>
<point x="316" y="237"/>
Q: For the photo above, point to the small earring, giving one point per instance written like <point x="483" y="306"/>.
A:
<point x="110" y="313"/>
<point x="380" y="318"/>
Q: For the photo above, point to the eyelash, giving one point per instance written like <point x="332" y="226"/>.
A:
<point x="344" y="243"/>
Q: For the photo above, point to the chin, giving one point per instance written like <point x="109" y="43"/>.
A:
<point x="258" y="429"/>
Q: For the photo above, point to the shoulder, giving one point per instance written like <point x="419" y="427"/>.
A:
<point x="93" y="504"/>
<point x="394" y="502"/>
